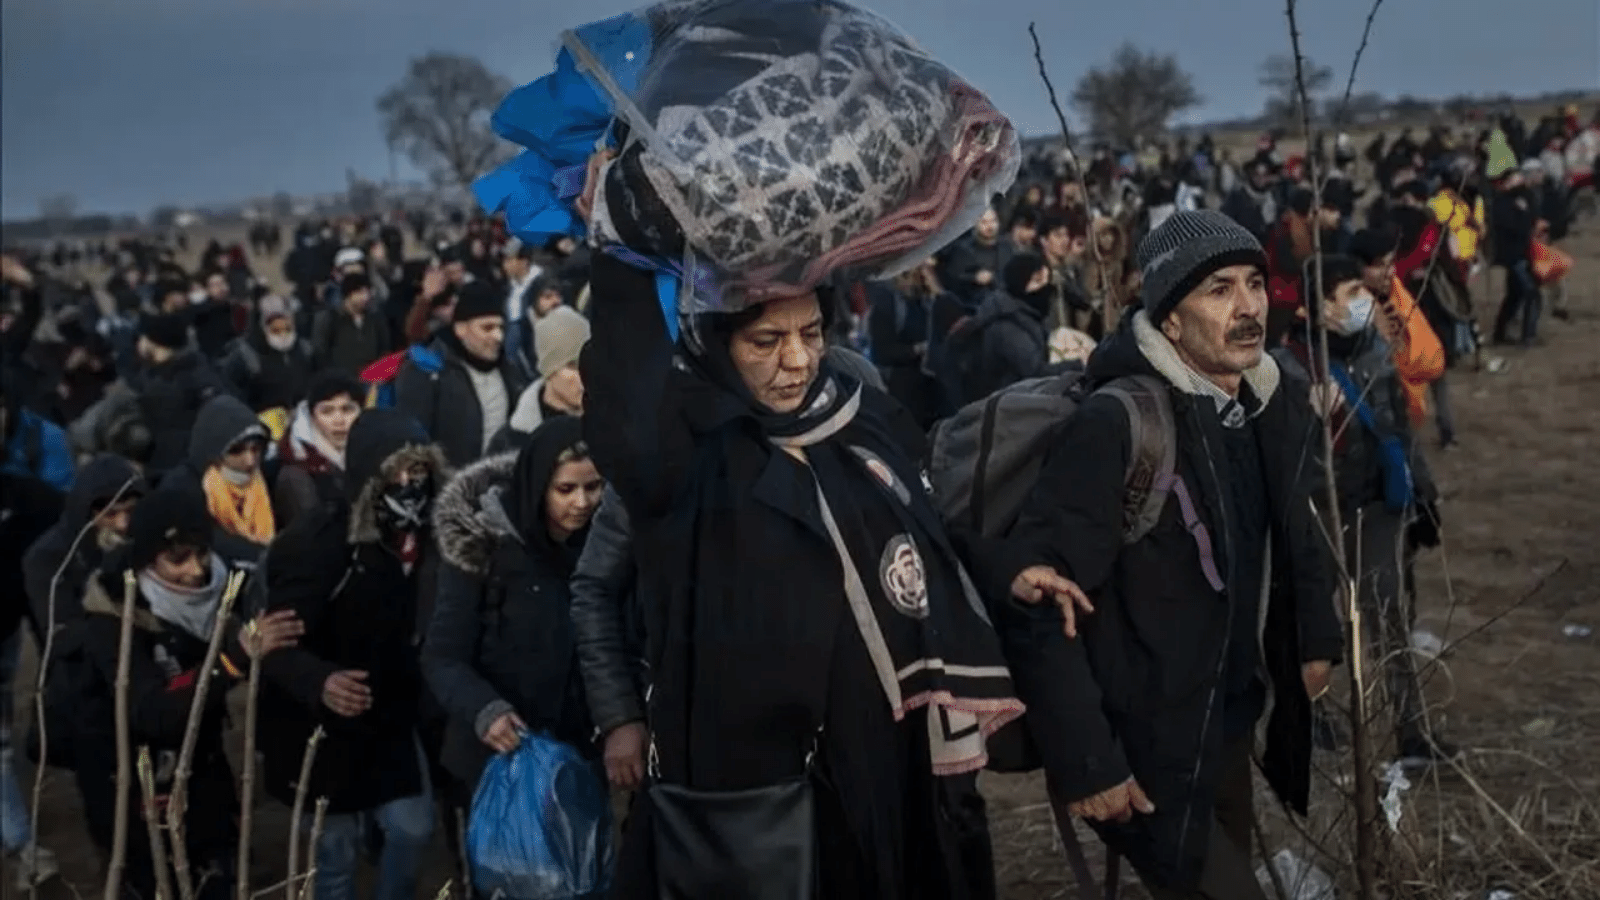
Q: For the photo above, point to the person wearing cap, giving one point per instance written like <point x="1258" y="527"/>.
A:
<point x="226" y="449"/>
<point x="559" y="340"/>
<point x="173" y="381"/>
<point x="179" y="583"/>
<point x="361" y="575"/>
<point x="1145" y="722"/>
<point x="1386" y="491"/>
<point x="467" y="400"/>
<point x="311" y="453"/>
<point x="271" y="364"/>
<point x="352" y="335"/>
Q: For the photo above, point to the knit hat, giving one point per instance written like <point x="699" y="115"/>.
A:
<point x="1372" y="244"/>
<point x="274" y="307"/>
<point x="167" y="518"/>
<point x="477" y="300"/>
<point x="558" y="338"/>
<point x="1187" y="248"/>
<point x="333" y="383"/>
<point x="169" y="330"/>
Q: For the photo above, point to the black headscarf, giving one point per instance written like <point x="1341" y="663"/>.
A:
<point x="530" y="480"/>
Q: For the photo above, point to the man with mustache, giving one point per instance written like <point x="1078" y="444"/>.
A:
<point x="1224" y="602"/>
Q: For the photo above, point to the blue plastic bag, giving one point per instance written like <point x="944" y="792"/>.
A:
<point x="541" y="825"/>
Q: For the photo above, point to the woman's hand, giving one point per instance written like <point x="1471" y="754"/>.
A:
<point x="503" y="735"/>
<point x="269" y="632"/>
<point x="591" y="183"/>
<point x="1033" y="584"/>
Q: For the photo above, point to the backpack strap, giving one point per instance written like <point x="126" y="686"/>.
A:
<point x="1154" y="461"/>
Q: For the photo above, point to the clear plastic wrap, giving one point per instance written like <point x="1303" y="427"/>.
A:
<point x="767" y="146"/>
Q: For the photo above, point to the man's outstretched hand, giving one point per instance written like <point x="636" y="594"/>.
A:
<point x="1036" y="583"/>
<point x="1117" y="804"/>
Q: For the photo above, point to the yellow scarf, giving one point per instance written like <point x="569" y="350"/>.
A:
<point x="245" y="511"/>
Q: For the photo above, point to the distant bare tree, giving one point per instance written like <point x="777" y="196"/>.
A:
<point x="438" y="116"/>
<point x="58" y="209"/>
<point x="1134" y="94"/>
<point x="1283" y="98"/>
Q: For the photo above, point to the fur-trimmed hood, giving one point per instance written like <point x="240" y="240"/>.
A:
<point x="383" y="443"/>
<point x="469" y="517"/>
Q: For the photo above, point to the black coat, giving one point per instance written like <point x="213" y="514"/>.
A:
<point x="741" y="595"/>
<point x="163" y="671"/>
<point x="339" y="343"/>
<point x="501" y="639"/>
<point x="1143" y="682"/>
<point x="361" y="611"/>
<point x="170" y="397"/>
<point x="967" y="258"/>
<point x="268" y="378"/>
<point x="446" y="404"/>
<point x="898" y="323"/>
<point x="610" y="640"/>
<point x="29" y="509"/>
<point x="1012" y="345"/>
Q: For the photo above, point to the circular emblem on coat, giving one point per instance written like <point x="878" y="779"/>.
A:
<point x="905" y="579"/>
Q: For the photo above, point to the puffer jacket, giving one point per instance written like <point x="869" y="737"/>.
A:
<point x="501" y="639"/>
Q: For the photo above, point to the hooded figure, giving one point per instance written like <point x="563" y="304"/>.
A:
<point x="359" y="575"/>
<point x="801" y="594"/>
<point x="172" y="384"/>
<point x="501" y="640"/>
<point x="1007" y="338"/>
<point x="271" y="364"/>
<point x="102" y="480"/>
<point x="225" y="453"/>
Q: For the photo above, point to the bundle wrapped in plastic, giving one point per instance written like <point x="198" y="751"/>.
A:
<point x="766" y="146"/>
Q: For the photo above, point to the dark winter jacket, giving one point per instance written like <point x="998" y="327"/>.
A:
<point x="610" y="640"/>
<point x="1511" y="221"/>
<point x="213" y="324"/>
<point x="170" y="396"/>
<point x="221" y="422"/>
<point x="898" y="324"/>
<point x="501" y="639"/>
<point x="1013" y="344"/>
<point x="340" y="343"/>
<point x="163" y="673"/>
<point x="967" y="258"/>
<point x="446" y="404"/>
<point x="362" y="611"/>
<point x="29" y="509"/>
<point x="268" y="378"/>
<point x="101" y="479"/>
<point x="1143" y="681"/>
<point x="1358" y="457"/>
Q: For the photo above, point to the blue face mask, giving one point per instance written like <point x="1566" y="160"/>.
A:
<point x="1357" y="316"/>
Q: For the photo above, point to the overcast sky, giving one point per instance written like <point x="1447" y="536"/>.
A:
<point x="130" y="103"/>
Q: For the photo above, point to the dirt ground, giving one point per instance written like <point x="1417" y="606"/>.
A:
<point x="1521" y="561"/>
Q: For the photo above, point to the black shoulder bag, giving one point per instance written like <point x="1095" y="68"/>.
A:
<point x="753" y="844"/>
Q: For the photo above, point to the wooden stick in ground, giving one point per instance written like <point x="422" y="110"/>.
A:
<point x="119" y="830"/>
<point x="46" y="653"/>
<point x="152" y="826"/>
<point x="299" y="810"/>
<point x="1083" y="185"/>
<point x="178" y="804"/>
<point x="247" y="782"/>
<point x="308" y="889"/>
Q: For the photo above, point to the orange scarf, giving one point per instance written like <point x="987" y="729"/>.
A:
<point x="245" y="511"/>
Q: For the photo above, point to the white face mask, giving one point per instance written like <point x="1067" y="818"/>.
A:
<point x="282" y="343"/>
<point x="1357" y="316"/>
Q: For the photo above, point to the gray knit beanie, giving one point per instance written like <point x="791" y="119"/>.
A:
<point x="1187" y="248"/>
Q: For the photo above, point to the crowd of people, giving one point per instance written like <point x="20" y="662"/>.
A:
<point x="478" y="492"/>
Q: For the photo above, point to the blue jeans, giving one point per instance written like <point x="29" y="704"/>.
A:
<point x="15" y="832"/>
<point x="407" y="826"/>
